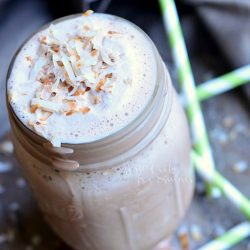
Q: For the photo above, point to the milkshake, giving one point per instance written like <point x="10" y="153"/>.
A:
<point x="100" y="133"/>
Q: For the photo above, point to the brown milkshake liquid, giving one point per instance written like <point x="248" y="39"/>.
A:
<point x="112" y="174"/>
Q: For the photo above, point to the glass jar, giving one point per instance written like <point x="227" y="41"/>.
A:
<point x="128" y="190"/>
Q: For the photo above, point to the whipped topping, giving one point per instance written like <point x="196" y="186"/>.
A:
<point x="82" y="79"/>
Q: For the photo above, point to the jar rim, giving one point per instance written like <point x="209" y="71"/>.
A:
<point x="110" y="137"/>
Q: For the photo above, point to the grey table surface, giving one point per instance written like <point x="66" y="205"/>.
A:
<point x="227" y="119"/>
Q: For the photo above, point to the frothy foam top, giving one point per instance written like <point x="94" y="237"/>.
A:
<point x="82" y="79"/>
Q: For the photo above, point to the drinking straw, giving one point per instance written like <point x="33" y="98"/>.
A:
<point x="230" y="238"/>
<point x="187" y="83"/>
<point x="223" y="83"/>
<point x="215" y="178"/>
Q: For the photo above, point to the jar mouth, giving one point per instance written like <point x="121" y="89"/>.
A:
<point x="115" y="135"/>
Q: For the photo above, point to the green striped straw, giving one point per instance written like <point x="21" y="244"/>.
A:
<point x="186" y="81"/>
<point x="223" y="83"/>
<point x="230" y="238"/>
<point x="215" y="178"/>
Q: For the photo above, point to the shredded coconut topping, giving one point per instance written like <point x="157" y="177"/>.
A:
<point x="73" y="70"/>
<point x="75" y="80"/>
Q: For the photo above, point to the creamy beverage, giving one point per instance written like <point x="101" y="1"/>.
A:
<point x="100" y="133"/>
<point x="82" y="79"/>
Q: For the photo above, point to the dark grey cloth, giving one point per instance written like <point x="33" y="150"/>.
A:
<point x="229" y="23"/>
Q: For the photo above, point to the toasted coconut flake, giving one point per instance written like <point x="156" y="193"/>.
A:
<point x="45" y="117"/>
<point x="56" y="59"/>
<point x="73" y="91"/>
<point x="100" y="84"/>
<point x="85" y="110"/>
<point x="109" y="75"/>
<point x="110" y="32"/>
<point x="29" y="59"/>
<point x="52" y="77"/>
<point x="70" y="88"/>
<point x="34" y="107"/>
<point x="85" y="58"/>
<point x="62" y="84"/>
<point x="87" y="75"/>
<point x="44" y="81"/>
<point x="97" y="42"/>
<point x="69" y="50"/>
<point x="86" y="42"/>
<point x="106" y="58"/>
<point x="45" y="93"/>
<point x="55" y="47"/>
<point x="94" y="52"/>
<point x="71" y="112"/>
<point x="69" y="70"/>
<point x="36" y="69"/>
<point x="71" y="108"/>
<point x="111" y="51"/>
<point x="72" y="71"/>
<point x="60" y="63"/>
<point x="46" y="105"/>
<point x="97" y="99"/>
<point x="57" y="35"/>
<point x="43" y="39"/>
<point x="75" y="65"/>
<point x="39" y="128"/>
<point x="72" y="105"/>
<point x="79" y="92"/>
<point x="88" y="13"/>
<point x="55" y="85"/>
<point x="86" y="27"/>
<point x="79" y="47"/>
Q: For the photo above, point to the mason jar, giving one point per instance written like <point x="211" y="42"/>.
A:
<point x="127" y="191"/>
